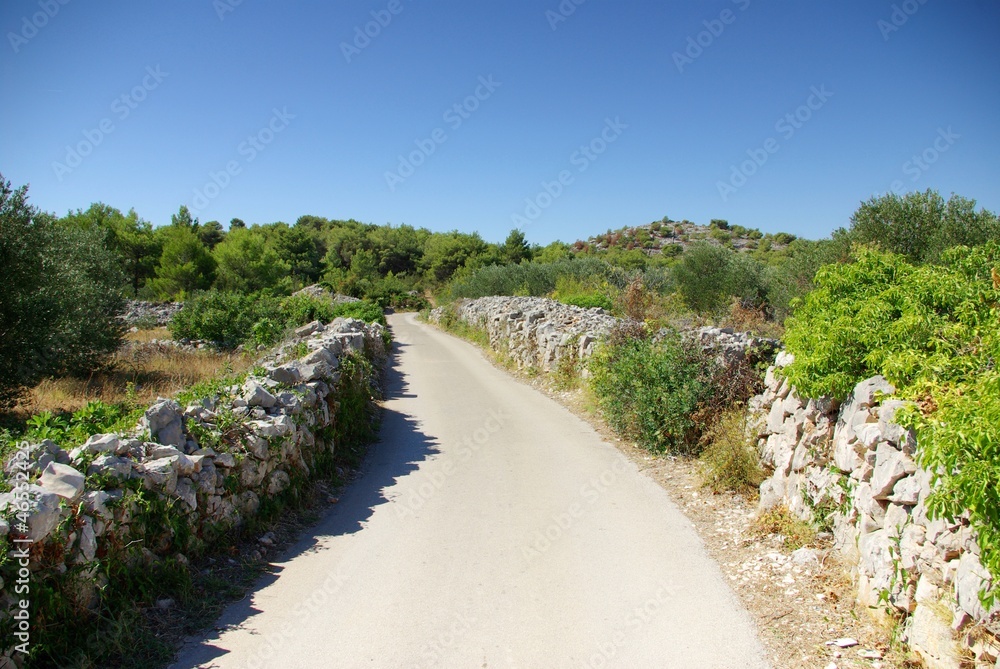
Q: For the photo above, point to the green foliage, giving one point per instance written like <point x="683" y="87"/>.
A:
<point x="515" y="249"/>
<point x="446" y="253"/>
<point x="364" y="311"/>
<point x="532" y="278"/>
<point x="650" y="390"/>
<point x="582" y="293"/>
<point x="934" y="332"/>
<point x="302" y="309"/>
<point x="247" y="264"/>
<point x="127" y="235"/>
<point x="63" y="293"/>
<point x="229" y="319"/>
<point x="915" y="325"/>
<point x="589" y="301"/>
<point x="185" y="264"/>
<point x="703" y="277"/>
<point x="356" y="422"/>
<point x="959" y="442"/>
<point x="554" y="252"/>
<point x="791" y="270"/>
<point x="72" y="429"/>
<point x="921" y="226"/>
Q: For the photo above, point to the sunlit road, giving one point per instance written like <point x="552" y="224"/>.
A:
<point x="489" y="528"/>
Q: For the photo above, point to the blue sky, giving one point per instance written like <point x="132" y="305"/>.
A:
<point x="592" y="105"/>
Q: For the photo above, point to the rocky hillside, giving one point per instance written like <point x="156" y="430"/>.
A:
<point x="673" y="237"/>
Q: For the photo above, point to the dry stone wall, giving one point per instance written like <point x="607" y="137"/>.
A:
<point x="150" y="314"/>
<point x="537" y="332"/>
<point x="534" y="331"/>
<point x="851" y="468"/>
<point x="275" y="427"/>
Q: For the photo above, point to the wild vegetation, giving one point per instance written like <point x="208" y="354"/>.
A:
<point x="908" y="290"/>
<point x="932" y="330"/>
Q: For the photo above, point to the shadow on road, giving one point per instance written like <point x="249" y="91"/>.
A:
<point x="399" y="451"/>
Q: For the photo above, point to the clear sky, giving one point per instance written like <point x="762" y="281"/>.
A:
<point x="627" y="111"/>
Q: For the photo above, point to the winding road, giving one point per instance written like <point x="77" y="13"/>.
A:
<point x="489" y="527"/>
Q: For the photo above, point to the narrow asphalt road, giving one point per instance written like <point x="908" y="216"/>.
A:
<point x="490" y="527"/>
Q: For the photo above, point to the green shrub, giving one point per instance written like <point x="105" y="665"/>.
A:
<point x="703" y="276"/>
<point x="881" y="315"/>
<point x="921" y="226"/>
<point x="589" y="301"/>
<point x="301" y="309"/>
<point x="368" y="312"/>
<point x="529" y="278"/>
<point x="730" y="462"/>
<point x="61" y="298"/>
<point x="584" y="293"/>
<point x="934" y="332"/>
<point x="650" y="390"/>
<point x="229" y="319"/>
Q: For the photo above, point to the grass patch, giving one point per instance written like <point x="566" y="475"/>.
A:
<point x="649" y="391"/>
<point x="730" y="462"/>
<point x="779" y="521"/>
<point x="138" y="372"/>
<point x="451" y="322"/>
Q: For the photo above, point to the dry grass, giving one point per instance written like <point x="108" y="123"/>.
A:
<point x="729" y="462"/>
<point x="143" y="336"/>
<point x="152" y="370"/>
<point x="754" y="321"/>
<point x="778" y="520"/>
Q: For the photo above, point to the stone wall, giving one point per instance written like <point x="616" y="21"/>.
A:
<point x="213" y="460"/>
<point x="537" y="332"/>
<point x="851" y="468"/>
<point x="534" y="331"/>
<point x="150" y="314"/>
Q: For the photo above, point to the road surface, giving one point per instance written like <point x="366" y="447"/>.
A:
<point x="490" y="528"/>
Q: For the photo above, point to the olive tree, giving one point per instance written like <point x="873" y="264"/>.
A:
<point x="62" y="299"/>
